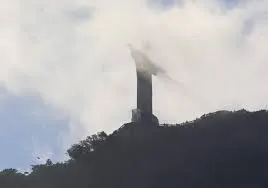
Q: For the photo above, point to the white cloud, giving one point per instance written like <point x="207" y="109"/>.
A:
<point x="85" y="69"/>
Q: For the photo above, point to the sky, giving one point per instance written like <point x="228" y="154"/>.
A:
<point x="66" y="71"/>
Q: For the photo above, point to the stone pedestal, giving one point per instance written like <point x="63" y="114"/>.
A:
<point x="144" y="118"/>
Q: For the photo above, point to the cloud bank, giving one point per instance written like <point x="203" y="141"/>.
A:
<point x="73" y="55"/>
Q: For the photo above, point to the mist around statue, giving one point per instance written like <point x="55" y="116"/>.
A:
<point x="219" y="149"/>
<point x="183" y="105"/>
<point x="146" y="65"/>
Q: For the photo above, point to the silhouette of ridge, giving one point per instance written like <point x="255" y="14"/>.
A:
<point x="220" y="149"/>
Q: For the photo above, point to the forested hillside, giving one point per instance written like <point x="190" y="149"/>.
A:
<point x="221" y="149"/>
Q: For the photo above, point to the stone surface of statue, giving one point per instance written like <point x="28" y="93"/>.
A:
<point x="144" y="69"/>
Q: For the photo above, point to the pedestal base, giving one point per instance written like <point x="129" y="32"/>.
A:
<point x="144" y="118"/>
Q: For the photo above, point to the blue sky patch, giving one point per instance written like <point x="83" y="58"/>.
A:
<point x="28" y="127"/>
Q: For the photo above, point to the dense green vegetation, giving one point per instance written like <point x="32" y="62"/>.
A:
<point x="221" y="149"/>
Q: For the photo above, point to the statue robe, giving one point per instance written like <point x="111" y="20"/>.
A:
<point x="145" y="69"/>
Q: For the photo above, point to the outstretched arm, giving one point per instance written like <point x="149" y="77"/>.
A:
<point x="143" y="61"/>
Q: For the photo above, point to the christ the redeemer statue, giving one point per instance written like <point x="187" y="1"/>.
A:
<point x="145" y="69"/>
